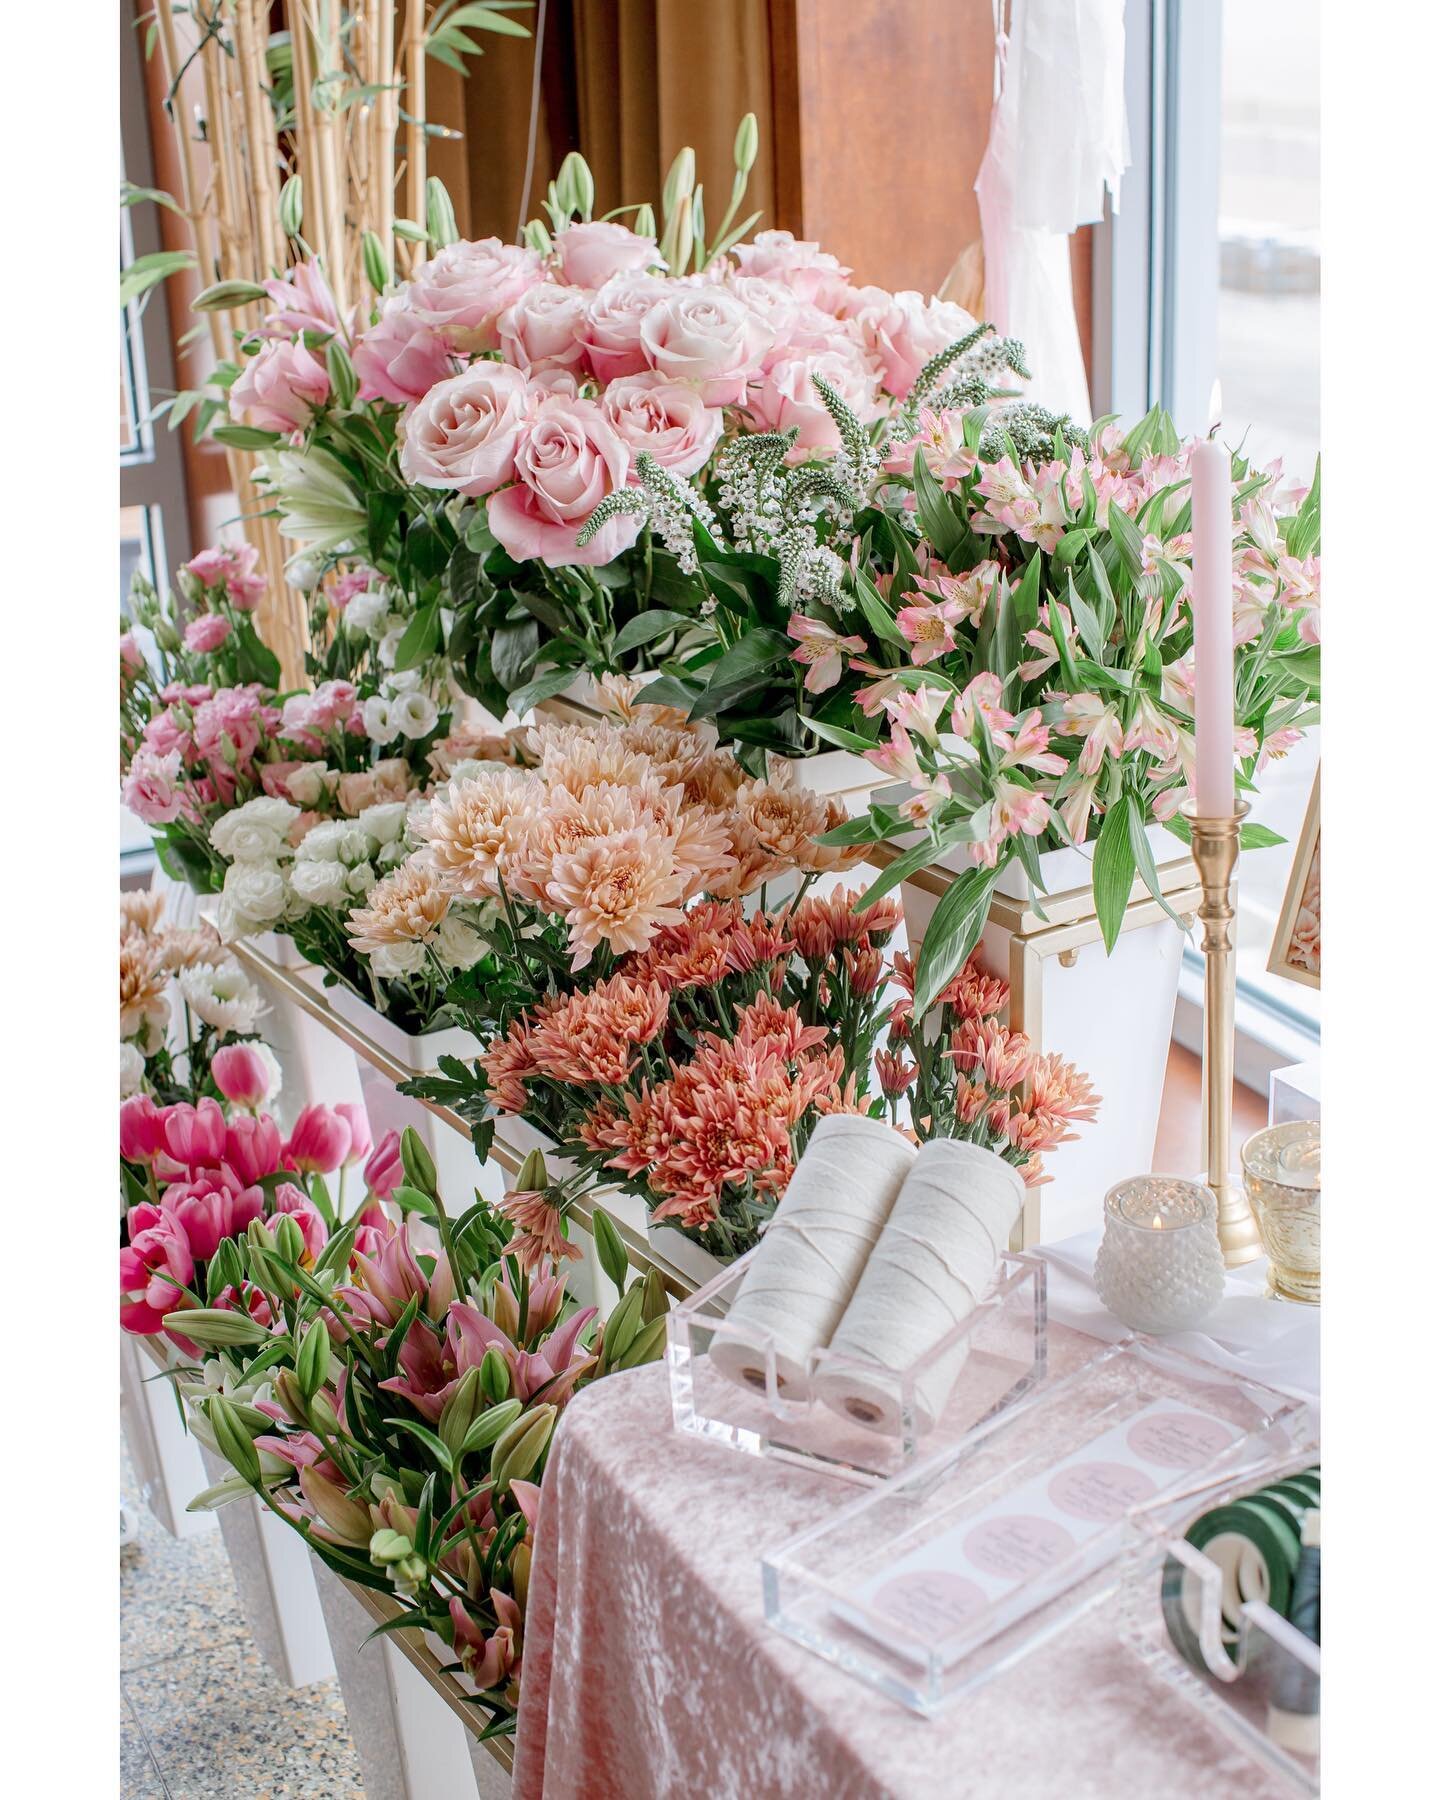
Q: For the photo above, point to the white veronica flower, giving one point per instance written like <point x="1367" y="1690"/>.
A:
<point x="225" y="997"/>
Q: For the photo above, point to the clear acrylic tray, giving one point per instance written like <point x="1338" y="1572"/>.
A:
<point x="1264" y="1689"/>
<point x="1000" y="1350"/>
<point x="952" y="1571"/>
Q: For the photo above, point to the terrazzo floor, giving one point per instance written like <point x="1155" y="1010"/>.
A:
<point x="200" y="1714"/>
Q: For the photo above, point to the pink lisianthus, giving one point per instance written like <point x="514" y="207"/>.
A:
<point x="567" y="460"/>
<point x="464" y="433"/>
<point x="280" y="388"/>
<point x="671" y="421"/>
<point x="241" y="1074"/>
<point x="462" y="290"/>
<point x="822" y="650"/>
<point x="400" y="358"/>
<point x="236" y="568"/>
<point x="132" y="657"/>
<point x="206" y="634"/>
<point x="152" y="787"/>
<point x="592" y="252"/>
<point x="319" y="1142"/>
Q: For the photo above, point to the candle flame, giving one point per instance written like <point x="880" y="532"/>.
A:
<point x="1155" y="1224"/>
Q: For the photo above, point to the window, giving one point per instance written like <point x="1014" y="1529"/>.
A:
<point x="1211" y="269"/>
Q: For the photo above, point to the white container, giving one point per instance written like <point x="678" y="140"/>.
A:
<point x="165" y="1456"/>
<point x="411" y="1745"/>
<point x="1110" y="1015"/>
<point x="459" y="1169"/>
<point x="271" y="1566"/>
<point x="683" y="1253"/>
<point x="1295" y="1093"/>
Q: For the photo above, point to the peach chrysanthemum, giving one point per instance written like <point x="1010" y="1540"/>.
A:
<point x="582" y="756"/>
<point x="788" y="818"/>
<point x="191" y="949"/>
<point x="143" y="911"/>
<point x="474" y="825"/>
<point x="592" y="1036"/>
<point x="144" y="1009"/>
<point x="506" y="1064"/>
<point x="405" y="908"/>
<point x="539" y="1238"/>
<point x="618" y="891"/>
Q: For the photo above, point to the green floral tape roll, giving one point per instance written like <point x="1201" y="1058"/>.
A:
<point x="1257" y="1556"/>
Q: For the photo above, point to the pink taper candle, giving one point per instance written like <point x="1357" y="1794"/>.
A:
<point x="1214" y="630"/>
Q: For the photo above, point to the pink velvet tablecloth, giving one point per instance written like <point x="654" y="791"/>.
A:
<point x="650" y="1672"/>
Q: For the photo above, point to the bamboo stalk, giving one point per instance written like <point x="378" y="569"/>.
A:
<point x="305" y="124"/>
<point x="199" y="222"/>
<point x="415" y="106"/>
<point x="331" y="236"/>
<point x="251" y="21"/>
<point x="387" y="118"/>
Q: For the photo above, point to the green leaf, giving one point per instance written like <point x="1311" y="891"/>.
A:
<point x="1127" y="540"/>
<point x="952" y="933"/>
<point x="245" y="437"/>
<point x="838" y="735"/>
<point x="146" y="271"/>
<point x="937" y="518"/>
<point x="542" y="687"/>
<point x="1144" y="860"/>
<point x="920" y="856"/>
<point x="421" y="637"/>
<point x="223" y="294"/>
<point x="758" y="650"/>
<point x="432" y="1443"/>
<point x="1086" y="623"/>
<point x="513" y="649"/>
<point x="645" y="627"/>
<point x="130" y="195"/>
<point x="410" y="1199"/>
<point x="877" y="614"/>
<point x="1114" y="873"/>
<point x="484" y="18"/>
<point x="609" y="1247"/>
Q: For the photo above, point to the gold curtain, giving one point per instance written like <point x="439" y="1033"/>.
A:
<point x="626" y="82"/>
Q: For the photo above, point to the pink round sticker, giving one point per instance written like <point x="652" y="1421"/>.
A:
<point x="1017" y="1545"/>
<point x="1099" y="1491"/>
<point x="930" y="1600"/>
<point x="1178" y="1440"/>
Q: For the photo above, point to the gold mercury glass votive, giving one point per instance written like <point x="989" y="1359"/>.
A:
<point x="1281" y="1166"/>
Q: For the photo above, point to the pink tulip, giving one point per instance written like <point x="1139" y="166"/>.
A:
<point x="142" y="1129"/>
<point x="195" y="1135"/>
<point x="252" y="1147"/>
<point x="289" y="1199"/>
<point x="241" y="1075"/>
<point x="320" y="1141"/>
<point x="211" y="1208"/>
<point x="384" y="1172"/>
<point x="361" y="1142"/>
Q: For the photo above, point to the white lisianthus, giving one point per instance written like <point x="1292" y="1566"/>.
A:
<point x="376" y="716"/>
<point x="255" y="832"/>
<point x="132" y="1070"/>
<point x="392" y="960"/>
<point x="303" y="572"/>
<point x="361" y="879"/>
<point x="458" y="945"/>
<point x="319" y="883"/>
<point x="225" y="997"/>
<point x="384" y="822"/>
<point x="414" y="715"/>
<point x="389" y="646"/>
<point x="254" y="895"/>
<point x="366" y="613"/>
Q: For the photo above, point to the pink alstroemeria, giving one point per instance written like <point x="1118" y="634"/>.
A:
<point x="872" y="698"/>
<point x="1014" y="809"/>
<point x="920" y="807"/>
<point x="1076" y="808"/>
<point x="1088" y="716"/>
<point x="823" y="649"/>
<point x="919" y="711"/>
<point x="981" y="700"/>
<point x="1028" y="746"/>
<point x="898" y="757"/>
<point x="929" y="628"/>
<point x="971" y="592"/>
<point x="1151" y="729"/>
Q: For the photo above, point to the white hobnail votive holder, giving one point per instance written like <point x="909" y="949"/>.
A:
<point x="1160" y="1267"/>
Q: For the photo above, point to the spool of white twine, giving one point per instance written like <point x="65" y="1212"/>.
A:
<point x="935" y="1259"/>
<point x="811" y="1256"/>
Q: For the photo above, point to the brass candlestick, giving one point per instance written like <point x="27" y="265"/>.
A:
<point x="1215" y="845"/>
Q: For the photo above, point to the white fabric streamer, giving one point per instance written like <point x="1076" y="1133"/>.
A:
<point x="811" y="1256"/>
<point x="935" y="1260"/>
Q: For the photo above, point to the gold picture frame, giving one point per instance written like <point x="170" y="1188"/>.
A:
<point x="1295" y="953"/>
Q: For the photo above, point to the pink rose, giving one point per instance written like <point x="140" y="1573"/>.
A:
<point x="152" y="788"/>
<point x="568" y="459"/>
<point x="905" y="332"/>
<point x="705" y="335"/>
<point x="463" y="289"/>
<point x="787" y="396"/>
<point x="610" y="333"/>
<point x="782" y="256"/>
<point x="541" y="330"/>
<point x="400" y="358"/>
<point x="302" y="302"/>
<point x="206" y="634"/>
<point x="670" y="421"/>
<point x="591" y="254"/>
<point x="463" y="433"/>
<point x="279" y="388"/>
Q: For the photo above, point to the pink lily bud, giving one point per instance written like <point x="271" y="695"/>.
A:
<point x="241" y="1075"/>
<point x="384" y="1171"/>
<point x="142" y="1129"/>
<point x="195" y="1135"/>
<point x="319" y="1142"/>
<point x="361" y="1142"/>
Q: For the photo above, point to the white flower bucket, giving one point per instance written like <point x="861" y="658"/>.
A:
<point x="166" y="1457"/>
<point x="271" y="1566"/>
<point x="456" y="1164"/>
<point x="316" y="1067"/>
<point x="682" y="1253"/>
<point x="410" y="1744"/>
<point x="1110" y="1015"/>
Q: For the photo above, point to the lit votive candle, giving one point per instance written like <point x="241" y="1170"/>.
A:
<point x="1159" y="1266"/>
